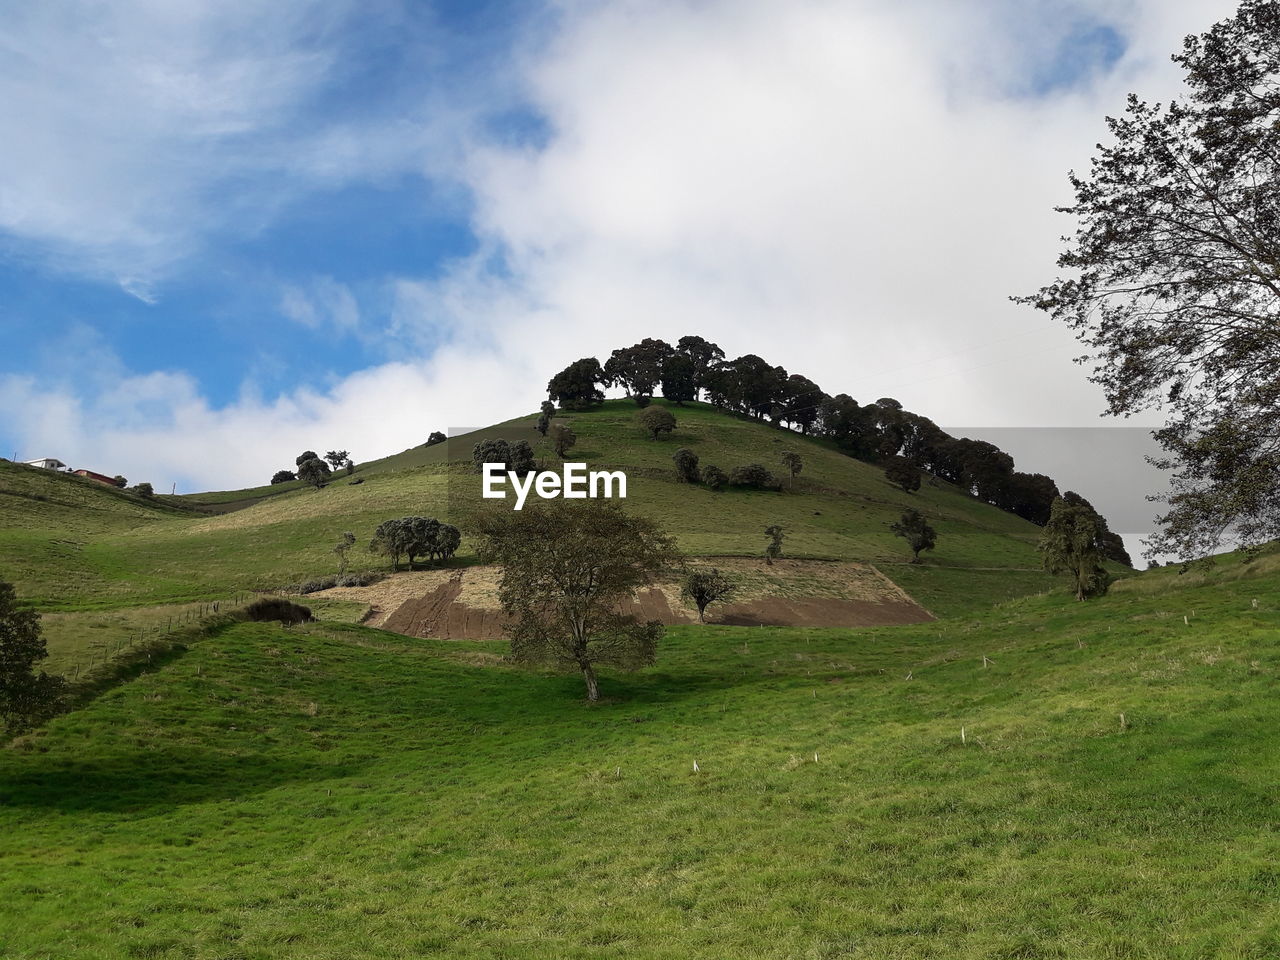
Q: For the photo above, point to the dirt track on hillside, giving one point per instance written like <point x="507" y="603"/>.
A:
<point x="463" y="604"/>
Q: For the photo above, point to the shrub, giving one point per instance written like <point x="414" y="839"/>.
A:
<point x="436" y="437"/>
<point x="656" y="420"/>
<point x="358" y="579"/>
<point x="279" y="609"/>
<point x="282" y="476"/>
<point x="714" y="477"/>
<point x="563" y="437"/>
<point x="686" y="465"/>
<point x="753" y="475"/>
<point x="144" y="490"/>
<point x="312" y="586"/>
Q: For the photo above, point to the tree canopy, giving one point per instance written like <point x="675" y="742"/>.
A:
<point x="576" y="387"/>
<point x="704" y="586"/>
<point x="915" y="529"/>
<point x="25" y="695"/>
<point x="1070" y="544"/>
<point x="1172" y="279"/>
<point x="315" y="472"/>
<point x="415" y="537"/>
<point x="566" y="567"/>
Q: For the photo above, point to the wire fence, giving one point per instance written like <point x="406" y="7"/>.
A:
<point x="164" y="626"/>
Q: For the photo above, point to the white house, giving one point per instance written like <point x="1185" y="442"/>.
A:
<point x="47" y="463"/>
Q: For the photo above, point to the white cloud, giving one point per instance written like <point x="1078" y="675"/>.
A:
<point x="850" y="190"/>
<point x="326" y="303"/>
<point x="137" y="132"/>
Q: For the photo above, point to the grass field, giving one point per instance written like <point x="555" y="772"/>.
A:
<point x="335" y="791"/>
<point x="87" y="547"/>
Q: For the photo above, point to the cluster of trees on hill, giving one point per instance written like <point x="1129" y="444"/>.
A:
<point x="414" y="537"/>
<point x="314" y="469"/>
<point x="883" y="432"/>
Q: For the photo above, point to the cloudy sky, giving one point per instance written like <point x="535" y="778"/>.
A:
<point x="230" y="231"/>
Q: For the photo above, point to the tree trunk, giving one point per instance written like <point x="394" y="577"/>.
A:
<point x="593" y="689"/>
<point x="701" y="618"/>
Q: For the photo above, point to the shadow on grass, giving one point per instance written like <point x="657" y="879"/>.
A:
<point x="148" y="781"/>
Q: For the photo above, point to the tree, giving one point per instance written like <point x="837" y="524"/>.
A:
<point x="563" y="438"/>
<point x="390" y="540"/>
<point x="686" y="465"/>
<point x="773" y="551"/>
<point x="705" y="586"/>
<point x="415" y="537"/>
<point x="545" y="417"/>
<point x="679" y="378"/>
<point x="350" y="467"/>
<point x="566" y="567"/>
<point x="916" y="531"/>
<point x="522" y="460"/>
<point x="1031" y="496"/>
<point x="801" y="402"/>
<point x="656" y="420"/>
<point x="1111" y="545"/>
<point x="748" y="385"/>
<point x="515" y="457"/>
<point x="714" y="478"/>
<point x="753" y="475"/>
<point x="704" y="355"/>
<point x="491" y="450"/>
<point x="120" y="481"/>
<point x="903" y="473"/>
<point x="304" y="456"/>
<point x="341" y="548"/>
<point x="315" y="472"/>
<point x="447" y="540"/>
<point x="1070" y="545"/>
<point x="436" y="437"/>
<point x="336" y="458"/>
<point x="26" y="697"/>
<point x="144" y="490"/>
<point x="575" y="387"/>
<point x="638" y="369"/>
<point x="282" y="476"/>
<point x="793" y="463"/>
<point x="1172" y="280"/>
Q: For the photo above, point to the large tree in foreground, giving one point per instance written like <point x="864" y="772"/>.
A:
<point x="566" y="568"/>
<point x="1173" y="280"/>
<point x="1071" y="544"/>
<point x="25" y="696"/>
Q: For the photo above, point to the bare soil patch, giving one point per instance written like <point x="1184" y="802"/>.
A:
<point x="463" y="604"/>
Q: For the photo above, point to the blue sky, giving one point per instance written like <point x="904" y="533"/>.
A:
<point x="228" y="230"/>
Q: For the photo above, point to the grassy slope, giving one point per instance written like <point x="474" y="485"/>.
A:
<point x="148" y="554"/>
<point x="337" y="791"/>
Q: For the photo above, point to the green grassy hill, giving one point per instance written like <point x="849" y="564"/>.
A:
<point x="119" y="551"/>
<point x="338" y="791"/>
